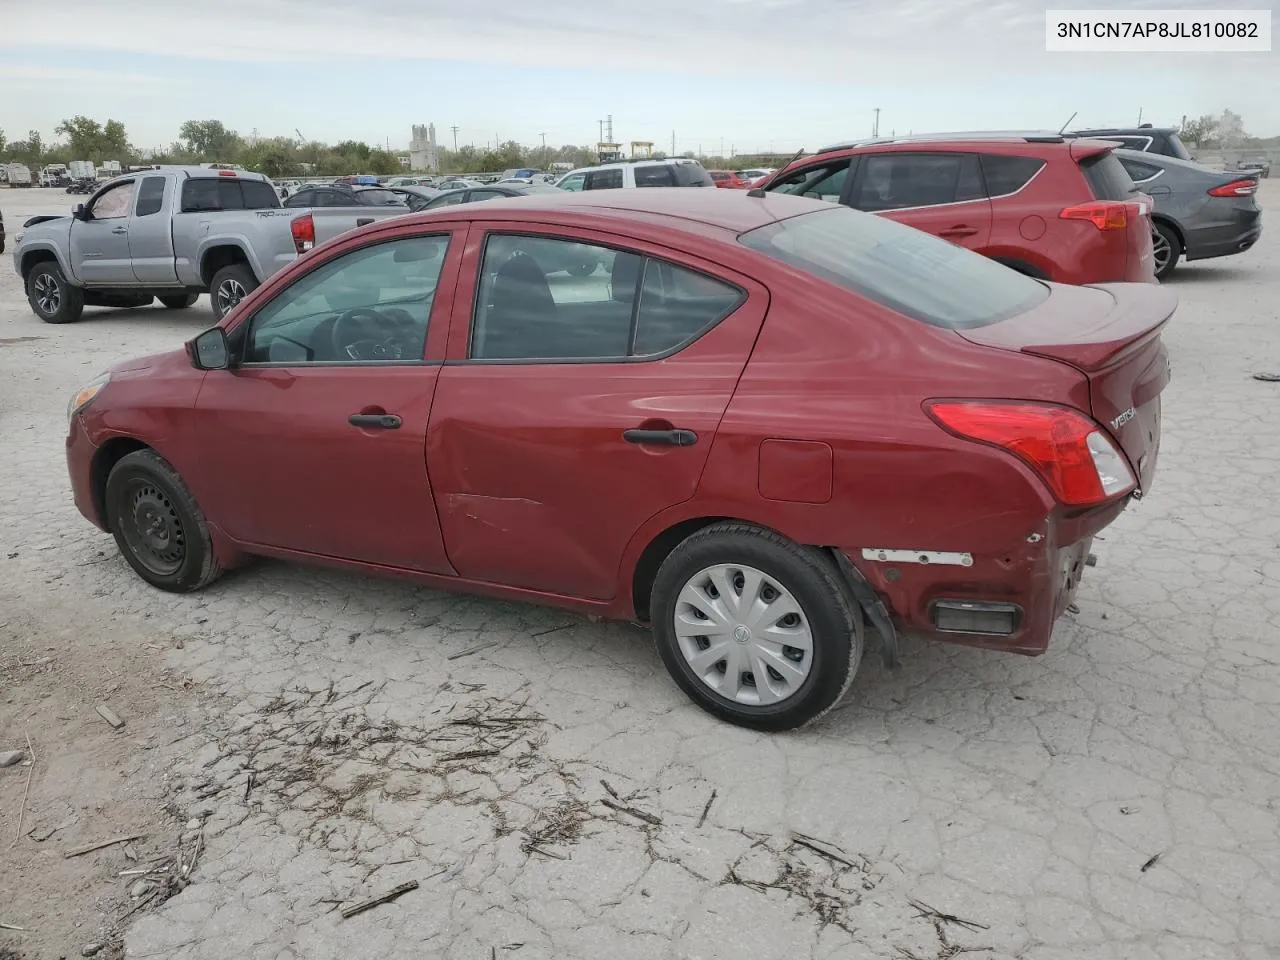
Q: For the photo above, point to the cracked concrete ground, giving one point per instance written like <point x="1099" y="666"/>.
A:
<point x="555" y="796"/>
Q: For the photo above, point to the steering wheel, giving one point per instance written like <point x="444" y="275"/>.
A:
<point x="364" y="334"/>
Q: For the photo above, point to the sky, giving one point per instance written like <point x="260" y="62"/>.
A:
<point x="715" y="75"/>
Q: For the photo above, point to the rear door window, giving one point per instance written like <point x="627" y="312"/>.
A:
<point x="907" y="270"/>
<point x="150" y="197"/>
<point x="610" y="179"/>
<point x="1005" y="175"/>
<point x="897" y="181"/>
<point x="1107" y="177"/>
<point x="691" y="175"/>
<point x="655" y="176"/>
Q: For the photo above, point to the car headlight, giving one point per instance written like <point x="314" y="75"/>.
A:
<point x="80" y="399"/>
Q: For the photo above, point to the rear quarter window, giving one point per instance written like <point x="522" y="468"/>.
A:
<point x="654" y="176"/>
<point x="1005" y="175"/>
<point x="1106" y="177"/>
<point x="259" y="195"/>
<point x="909" y="271"/>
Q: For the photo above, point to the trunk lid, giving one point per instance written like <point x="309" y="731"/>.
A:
<point x="1110" y="333"/>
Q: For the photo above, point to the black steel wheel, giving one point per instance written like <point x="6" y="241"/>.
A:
<point x="157" y="524"/>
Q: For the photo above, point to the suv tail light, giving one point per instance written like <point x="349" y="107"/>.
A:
<point x="1077" y="461"/>
<point x="303" y="229"/>
<point x="1245" y="187"/>
<point x="1105" y="215"/>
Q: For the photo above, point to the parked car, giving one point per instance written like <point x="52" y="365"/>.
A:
<point x="170" y="234"/>
<point x="728" y="180"/>
<point x="588" y="438"/>
<point x="457" y="183"/>
<point x="1145" y="138"/>
<point x="1258" y="166"/>
<point x="753" y="177"/>
<point x="493" y="191"/>
<point x="1199" y="213"/>
<point x="627" y="174"/>
<point x="344" y="195"/>
<point x="1052" y="208"/>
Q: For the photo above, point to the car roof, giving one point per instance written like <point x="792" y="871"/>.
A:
<point x="647" y="161"/>
<point x="725" y="211"/>
<point x="1122" y="131"/>
<point x="984" y="136"/>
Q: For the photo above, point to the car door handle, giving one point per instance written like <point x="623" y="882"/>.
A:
<point x="120" y="230"/>
<point x="376" y="421"/>
<point x="666" y="438"/>
<point x="959" y="230"/>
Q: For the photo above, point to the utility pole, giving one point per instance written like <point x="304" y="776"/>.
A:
<point x="455" y="138"/>
<point x="601" y="122"/>
<point x="875" y="130"/>
<point x="673" y="142"/>
<point x="544" y="148"/>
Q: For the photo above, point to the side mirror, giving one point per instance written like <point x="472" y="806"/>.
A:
<point x="210" y="350"/>
<point x="78" y="212"/>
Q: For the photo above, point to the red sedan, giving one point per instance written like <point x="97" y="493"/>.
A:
<point x="728" y="180"/>
<point x="766" y="425"/>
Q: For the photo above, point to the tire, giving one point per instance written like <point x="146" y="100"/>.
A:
<point x="1167" y="248"/>
<point x="179" y="301"/>
<point x="175" y="553"/>
<point x="51" y="297"/>
<point x="733" y="552"/>
<point x="229" y="285"/>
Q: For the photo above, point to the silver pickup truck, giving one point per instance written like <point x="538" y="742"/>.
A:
<point x="174" y="234"/>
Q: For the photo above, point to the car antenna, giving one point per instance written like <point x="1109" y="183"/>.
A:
<point x="1062" y="129"/>
<point x="759" y="191"/>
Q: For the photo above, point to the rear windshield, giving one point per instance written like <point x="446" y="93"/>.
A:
<point x="1177" y="148"/>
<point x="904" y="269"/>
<point x="204" y="194"/>
<point x="1107" y="177"/>
<point x="691" y="175"/>
<point x="378" y="198"/>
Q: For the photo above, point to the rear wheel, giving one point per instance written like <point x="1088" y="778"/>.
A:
<point x="157" y="524"/>
<point x="1166" y="248"/>
<point x="180" y="302"/>
<point x="754" y="628"/>
<point x="52" y="299"/>
<point x="230" y="285"/>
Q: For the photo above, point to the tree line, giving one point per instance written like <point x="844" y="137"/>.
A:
<point x="211" y="141"/>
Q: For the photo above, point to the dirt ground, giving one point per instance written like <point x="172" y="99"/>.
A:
<point x="308" y="739"/>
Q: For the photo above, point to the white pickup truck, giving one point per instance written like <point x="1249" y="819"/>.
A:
<point x="174" y="234"/>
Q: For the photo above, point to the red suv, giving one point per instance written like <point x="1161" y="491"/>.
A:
<point x="1052" y="208"/>
<point x="728" y="180"/>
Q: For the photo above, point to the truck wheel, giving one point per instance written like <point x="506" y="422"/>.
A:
<point x="230" y="285"/>
<point x="180" y="301"/>
<point x="52" y="299"/>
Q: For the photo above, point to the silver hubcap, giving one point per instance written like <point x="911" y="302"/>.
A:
<point x="1160" y="250"/>
<point x="743" y="634"/>
<point x="48" y="294"/>
<point x="230" y="292"/>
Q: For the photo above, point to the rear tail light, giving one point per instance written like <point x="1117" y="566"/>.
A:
<point x="303" y="229"/>
<point x="1236" y="188"/>
<point x="1106" y="215"/>
<point x="1078" y="462"/>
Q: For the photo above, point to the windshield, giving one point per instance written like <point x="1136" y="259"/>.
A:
<point x="904" y="269"/>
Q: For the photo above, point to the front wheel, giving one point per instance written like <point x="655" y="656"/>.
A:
<point x="180" y="302"/>
<point x="230" y="285"/>
<point x="754" y="628"/>
<point x="157" y="524"/>
<point x="51" y="297"/>
<point x="1166" y="248"/>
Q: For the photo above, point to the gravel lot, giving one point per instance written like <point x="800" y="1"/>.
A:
<point x="319" y="738"/>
